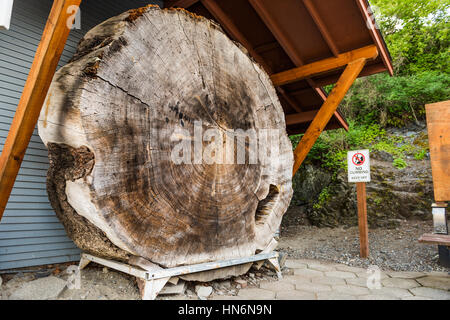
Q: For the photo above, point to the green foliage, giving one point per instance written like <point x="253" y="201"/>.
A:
<point x="395" y="101"/>
<point x="420" y="155"/>
<point x="377" y="201"/>
<point x="330" y="150"/>
<point x="400" y="163"/>
<point x="417" y="35"/>
<point x="396" y="147"/>
<point x="324" y="196"/>
<point x="416" y="32"/>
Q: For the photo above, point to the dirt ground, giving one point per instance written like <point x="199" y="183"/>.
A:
<point x="390" y="250"/>
<point x="394" y="249"/>
<point x="101" y="283"/>
<point x="95" y="284"/>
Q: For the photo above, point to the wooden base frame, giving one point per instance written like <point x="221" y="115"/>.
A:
<point x="153" y="280"/>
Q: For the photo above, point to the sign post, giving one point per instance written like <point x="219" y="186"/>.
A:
<point x="359" y="173"/>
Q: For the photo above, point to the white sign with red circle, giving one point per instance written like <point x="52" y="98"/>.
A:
<point x="358" y="166"/>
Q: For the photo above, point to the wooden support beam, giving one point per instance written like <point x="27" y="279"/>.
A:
<point x="368" y="70"/>
<point x="286" y="44"/>
<point x="341" y="120"/>
<point x="308" y="116"/>
<point x="320" y="67"/>
<point x="267" y="47"/>
<point x="321" y="25"/>
<point x="226" y="22"/>
<point x="38" y="82"/>
<point x="338" y="116"/>
<point x="327" y="110"/>
<point x="301" y="117"/>
<point x="281" y="37"/>
<point x="277" y="32"/>
<point x="179" y="3"/>
<point x="289" y="100"/>
<point x="300" y="129"/>
<point x="233" y="31"/>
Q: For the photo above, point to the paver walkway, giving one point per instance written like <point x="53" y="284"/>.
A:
<point x="313" y="280"/>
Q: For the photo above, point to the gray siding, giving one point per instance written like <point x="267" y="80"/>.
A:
<point x="30" y="233"/>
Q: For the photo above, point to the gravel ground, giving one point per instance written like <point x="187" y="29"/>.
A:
<point x="390" y="249"/>
<point x="100" y="283"/>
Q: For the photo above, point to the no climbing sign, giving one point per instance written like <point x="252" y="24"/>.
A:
<point x="358" y="166"/>
<point x="359" y="171"/>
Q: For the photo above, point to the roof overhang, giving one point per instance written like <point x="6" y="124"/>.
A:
<point x="283" y="35"/>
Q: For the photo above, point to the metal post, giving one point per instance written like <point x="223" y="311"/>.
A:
<point x="440" y="226"/>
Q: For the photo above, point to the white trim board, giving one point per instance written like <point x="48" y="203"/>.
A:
<point x="5" y="13"/>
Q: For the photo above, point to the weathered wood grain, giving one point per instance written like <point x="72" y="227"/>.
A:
<point x="438" y="124"/>
<point x="109" y="121"/>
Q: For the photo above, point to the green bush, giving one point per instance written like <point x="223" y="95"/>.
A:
<point x="417" y="35"/>
<point x="400" y="163"/>
<point x="324" y="196"/>
<point x="395" y="101"/>
<point x="420" y="155"/>
<point x="330" y="149"/>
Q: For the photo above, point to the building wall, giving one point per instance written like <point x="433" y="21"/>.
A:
<point x="30" y="233"/>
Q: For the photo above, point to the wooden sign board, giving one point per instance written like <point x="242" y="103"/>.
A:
<point x="438" y="122"/>
<point x="5" y="13"/>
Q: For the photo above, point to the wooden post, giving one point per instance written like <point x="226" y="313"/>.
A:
<point x="38" y="82"/>
<point x="362" y="219"/>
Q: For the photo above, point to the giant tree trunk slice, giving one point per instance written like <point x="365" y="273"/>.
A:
<point x="113" y="118"/>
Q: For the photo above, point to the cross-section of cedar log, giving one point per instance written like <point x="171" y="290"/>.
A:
<point x="118" y="112"/>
